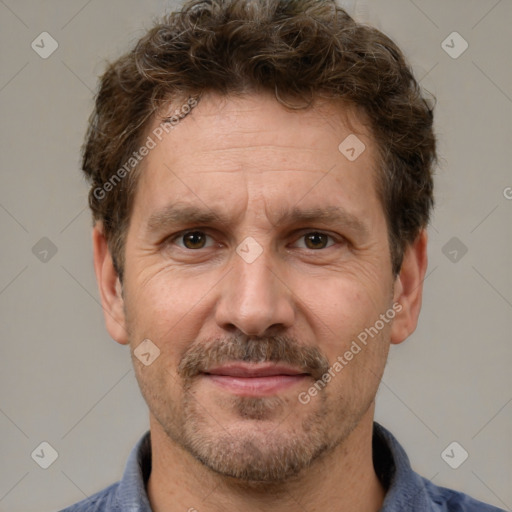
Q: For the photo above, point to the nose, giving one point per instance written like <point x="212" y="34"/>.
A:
<point x="254" y="298"/>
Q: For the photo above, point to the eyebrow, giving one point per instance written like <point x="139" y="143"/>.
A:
<point x="175" y="214"/>
<point x="334" y="215"/>
<point x="191" y="215"/>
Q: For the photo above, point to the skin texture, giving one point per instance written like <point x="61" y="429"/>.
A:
<point x="301" y="302"/>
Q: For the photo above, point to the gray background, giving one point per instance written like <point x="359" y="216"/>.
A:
<point x="63" y="381"/>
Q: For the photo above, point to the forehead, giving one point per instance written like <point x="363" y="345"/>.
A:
<point x="220" y="122"/>
<point x="232" y="149"/>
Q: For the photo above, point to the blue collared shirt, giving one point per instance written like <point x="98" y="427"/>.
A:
<point x="406" y="490"/>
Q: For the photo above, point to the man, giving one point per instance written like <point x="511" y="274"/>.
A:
<point x="261" y="183"/>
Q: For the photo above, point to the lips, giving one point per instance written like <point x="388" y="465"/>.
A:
<point x="246" y="379"/>
<point x="254" y="370"/>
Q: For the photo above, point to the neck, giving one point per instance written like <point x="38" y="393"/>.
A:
<point x="343" y="479"/>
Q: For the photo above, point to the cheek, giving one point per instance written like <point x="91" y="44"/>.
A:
<point x="340" y="307"/>
<point x="172" y="309"/>
<point x="161" y="308"/>
<point x="355" y="341"/>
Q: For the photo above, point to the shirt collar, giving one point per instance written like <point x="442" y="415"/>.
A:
<point x="405" y="488"/>
<point x="131" y="495"/>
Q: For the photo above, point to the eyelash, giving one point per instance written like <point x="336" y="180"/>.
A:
<point x="179" y="236"/>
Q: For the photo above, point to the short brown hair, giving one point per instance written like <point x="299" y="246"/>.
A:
<point x="298" y="49"/>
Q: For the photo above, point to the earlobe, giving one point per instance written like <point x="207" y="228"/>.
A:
<point x="109" y="286"/>
<point x="409" y="289"/>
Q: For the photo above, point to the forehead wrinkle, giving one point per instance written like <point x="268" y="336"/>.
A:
<point x="261" y="171"/>
<point x="256" y="147"/>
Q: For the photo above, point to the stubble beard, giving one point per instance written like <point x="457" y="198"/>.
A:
<point x="260" y="451"/>
<point x="265" y="444"/>
<point x="260" y="454"/>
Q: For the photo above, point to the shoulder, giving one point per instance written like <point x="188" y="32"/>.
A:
<point x="127" y="494"/>
<point x="448" y="500"/>
<point x="103" y="501"/>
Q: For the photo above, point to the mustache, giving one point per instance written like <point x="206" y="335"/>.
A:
<point x="201" y="356"/>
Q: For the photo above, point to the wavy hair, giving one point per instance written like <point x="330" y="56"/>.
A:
<point x="299" y="50"/>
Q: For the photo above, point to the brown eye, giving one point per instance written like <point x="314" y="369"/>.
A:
<point x="194" y="240"/>
<point x="316" y="240"/>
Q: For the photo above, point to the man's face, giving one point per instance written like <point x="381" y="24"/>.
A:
<point x="256" y="254"/>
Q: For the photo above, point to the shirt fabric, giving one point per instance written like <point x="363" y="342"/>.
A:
<point x="406" y="490"/>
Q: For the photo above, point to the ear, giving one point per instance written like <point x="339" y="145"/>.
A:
<point x="109" y="286"/>
<point x="409" y="289"/>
